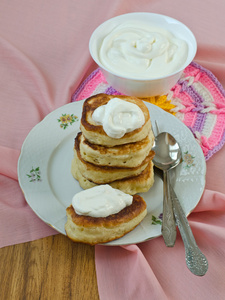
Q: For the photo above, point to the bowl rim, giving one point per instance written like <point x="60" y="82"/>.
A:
<point x="97" y="61"/>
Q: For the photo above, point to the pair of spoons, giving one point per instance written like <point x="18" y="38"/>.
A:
<point x="167" y="156"/>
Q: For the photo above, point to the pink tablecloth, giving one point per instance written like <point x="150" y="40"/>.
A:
<point x="44" y="57"/>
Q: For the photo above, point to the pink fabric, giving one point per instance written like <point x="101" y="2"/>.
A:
<point x="44" y="57"/>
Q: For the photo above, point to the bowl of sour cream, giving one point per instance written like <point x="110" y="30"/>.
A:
<point x="142" y="54"/>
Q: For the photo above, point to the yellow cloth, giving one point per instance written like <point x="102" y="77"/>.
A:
<point x="162" y="102"/>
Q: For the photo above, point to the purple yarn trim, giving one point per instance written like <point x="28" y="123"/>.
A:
<point x="197" y="101"/>
<point x="196" y="97"/>
<point x="210" y="75"/>
<point x="199" y="122"/>
<point x="83" y="84"/>
<point x="216" y="148"/>
<point x="191" y="129"/>
<point x="111" y="91"/>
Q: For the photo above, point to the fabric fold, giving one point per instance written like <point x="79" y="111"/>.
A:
<point x="150" y="270"/>
<point x="8" y="165"/>
<point x="126" y="264"/>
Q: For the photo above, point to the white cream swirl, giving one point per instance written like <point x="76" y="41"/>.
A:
<point x="100" y="201"/>
<point x="118" y="117"/>
<point x="141" y="51"/>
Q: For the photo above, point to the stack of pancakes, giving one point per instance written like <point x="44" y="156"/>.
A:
<point x="124" y="163"/>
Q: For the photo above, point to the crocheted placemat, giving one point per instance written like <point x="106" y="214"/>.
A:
<point x="198" y="100"/>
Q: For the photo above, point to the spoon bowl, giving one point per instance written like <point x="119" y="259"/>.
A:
<point x="167" y="151"/>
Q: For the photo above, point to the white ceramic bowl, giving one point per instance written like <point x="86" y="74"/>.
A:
<point x="135" y="86"/>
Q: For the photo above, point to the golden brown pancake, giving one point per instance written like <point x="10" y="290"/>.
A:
<point x="132" y="185"/>
<point x="106" y="174"/>
<point x="93" y="231"/>
<point x="128" y="155"/>
<point x="95" y="133"/>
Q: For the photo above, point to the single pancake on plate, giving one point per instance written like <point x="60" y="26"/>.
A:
<point x="127" y="155"/>
<point x="95" y="133"/>
<point x="92" y="230"/>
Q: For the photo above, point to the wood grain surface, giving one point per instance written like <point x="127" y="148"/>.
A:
<point x="49" y="268"/>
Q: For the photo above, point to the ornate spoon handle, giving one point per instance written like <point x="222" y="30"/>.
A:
<point x="195" y="259"/>
<point x="169" y="231"/>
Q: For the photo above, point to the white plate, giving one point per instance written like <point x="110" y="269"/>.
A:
<point x="48" y="186"/>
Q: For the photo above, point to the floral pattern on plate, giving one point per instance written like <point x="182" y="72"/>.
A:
<point x="66" y="119"/>
<point x="188" y="159"/>
<point x="34" y="175"/>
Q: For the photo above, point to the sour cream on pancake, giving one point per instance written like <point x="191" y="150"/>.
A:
<point x="100" y="201"/>
<point x="119" y="117"/>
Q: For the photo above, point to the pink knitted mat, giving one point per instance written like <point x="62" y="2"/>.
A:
<point x="198" y="100"/>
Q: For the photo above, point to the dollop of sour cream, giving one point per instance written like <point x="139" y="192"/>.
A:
<point x="118" y="117"/>
<point x="141" y="51"/>
<point x="100" y="201"/>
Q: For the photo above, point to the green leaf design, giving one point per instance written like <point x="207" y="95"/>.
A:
<point x="156" y="221"/>
<point x="34" y="175"/>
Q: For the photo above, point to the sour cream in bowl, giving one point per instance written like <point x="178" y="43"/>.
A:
<point x="142" y="54"/>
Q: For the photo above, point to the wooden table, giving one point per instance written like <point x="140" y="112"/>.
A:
<point x="49" y="268"/>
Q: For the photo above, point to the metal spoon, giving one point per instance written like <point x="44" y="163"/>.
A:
<point x="195" y="259"/>
<point x="167" y="156"/>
